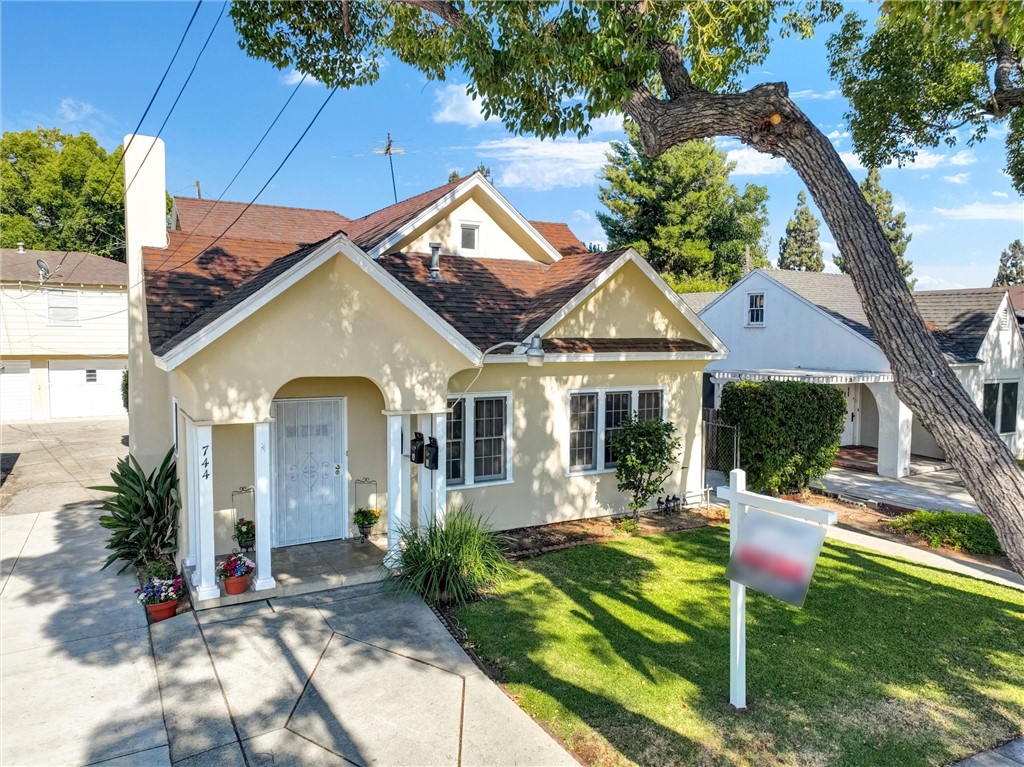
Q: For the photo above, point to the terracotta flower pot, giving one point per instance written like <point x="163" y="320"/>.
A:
<point x="162" y="611"/>
<point x="236" y="584"/>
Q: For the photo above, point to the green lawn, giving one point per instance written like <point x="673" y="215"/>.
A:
<point x="621" y="649"/>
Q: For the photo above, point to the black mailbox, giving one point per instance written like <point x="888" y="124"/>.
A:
<point x="430" y="454"/>
<point x="416" y="448"/>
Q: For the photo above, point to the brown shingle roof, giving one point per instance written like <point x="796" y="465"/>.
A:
<point x="494" y="300"/>
<point x="78" y="268"/>
<point x="265" y="223"/>
<point x="368" y="231"/>
<point x="560" y="237"/>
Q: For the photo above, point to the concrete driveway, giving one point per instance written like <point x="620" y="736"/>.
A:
<point x="934" y="490"/>
<point x="349" y="676"/>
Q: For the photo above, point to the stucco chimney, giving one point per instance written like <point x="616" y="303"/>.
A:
<point x="435" y="262"/>
<point x="145" y="225"/>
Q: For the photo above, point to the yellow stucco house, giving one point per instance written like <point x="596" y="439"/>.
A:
<point x="296" y="351"/>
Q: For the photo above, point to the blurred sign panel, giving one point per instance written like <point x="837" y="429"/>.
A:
<point x="776" y="555"/>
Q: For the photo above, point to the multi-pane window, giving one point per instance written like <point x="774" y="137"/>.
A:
<point x="999" y="404"/>
<point x="456" y="435"/>
<point x="617" y="406"/>
<point x="62" y="307"/>
<point x="470" y="236"/>
<point x="755" y="308"/>
<point x="582" y="432"/>
<point x="477" y="439"/>
<point x="489" y="438"/>
<point x="596" y="417"/>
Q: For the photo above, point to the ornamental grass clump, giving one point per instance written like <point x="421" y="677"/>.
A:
<point x="156" y="591"/>
<point x="451" y="560"/>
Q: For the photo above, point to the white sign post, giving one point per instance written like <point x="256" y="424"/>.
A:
<point x="775" y="558"/>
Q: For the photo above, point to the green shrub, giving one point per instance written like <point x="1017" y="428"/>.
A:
<point x="644" y="453"/>
<point x="789" y="431"/>
<point x="958" y="530"/>
<point x="143" y="517"/>
<point x="124" y="389"/>
<point x="451" y="560"/>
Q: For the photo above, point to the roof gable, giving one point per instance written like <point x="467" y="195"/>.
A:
<point x="560" y="236"/>
<point x="966" y="316"/>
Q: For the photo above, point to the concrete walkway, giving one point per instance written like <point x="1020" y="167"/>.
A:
<point x="78" y="677"/>
<point x="355" y="675"/>
<point x="936" y="490"/>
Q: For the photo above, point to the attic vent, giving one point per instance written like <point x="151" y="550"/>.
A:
<point x="1004" y="319"/>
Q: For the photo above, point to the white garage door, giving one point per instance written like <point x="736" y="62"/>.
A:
<point x="15" y="390"/>
<point x="83" y="388"/>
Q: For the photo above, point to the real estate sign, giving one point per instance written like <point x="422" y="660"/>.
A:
<point x="776" y="555"/>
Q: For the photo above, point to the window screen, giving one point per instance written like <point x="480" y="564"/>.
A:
<point x="649" y="406"/>
<point x="62" y="307"/>
<point x="617" y="406"/>
<point x="489" y="438"/>
<point x="1008" y="409"/>
<point x="456" y="430"/>
<point x="469" y="237"/>
<point x="582" y="432"/>
<point x="755" y="309"/>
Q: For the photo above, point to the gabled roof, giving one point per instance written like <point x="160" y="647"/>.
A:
<point x="371" y="229"/>
<point x="699" y="301"/>
<point x="493" y="300"/>
<point x="964" y="315"/>
<point x="560" y="236"/>
<point x="264" y="223"/>
<point x="78" y="268"/>
<point x="954" y="330"/>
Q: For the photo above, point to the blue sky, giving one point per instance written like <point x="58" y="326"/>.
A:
<point x="92" y="67"/>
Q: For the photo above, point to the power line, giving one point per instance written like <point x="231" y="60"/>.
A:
<point x="145" y="112"/>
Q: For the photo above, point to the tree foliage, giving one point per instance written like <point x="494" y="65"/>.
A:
<point x="1011" y="266"/>
<point x="645" y="450"/>
<point x="481" y="169"/>
<point x="679" y="210"/>
<point x="789" y="431"/>
<point x="800" y="248"/>
<point x="52" y="184"/>
<point x="893" y="224"/>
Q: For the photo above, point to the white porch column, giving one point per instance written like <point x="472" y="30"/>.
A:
<point x="439" y="499"/>
<point x="261" y="500"/>
<point x="206" y="577"/>
<point x="398" y="479"/>
<point x="895" y="428"/>
<point x="424" y="477"/>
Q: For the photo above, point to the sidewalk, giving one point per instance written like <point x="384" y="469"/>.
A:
<point x="937" y="490"/>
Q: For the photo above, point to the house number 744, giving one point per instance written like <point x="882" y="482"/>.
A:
<point x="206" y="462"/>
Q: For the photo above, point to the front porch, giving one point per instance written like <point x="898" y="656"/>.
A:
<point x="307" y="568"/>
<point x="865" y="458"/>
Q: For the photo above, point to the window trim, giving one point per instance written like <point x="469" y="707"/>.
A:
<point x="475" y="225"/>
<point x="469" y="479"/>
<point x="599" y="441"/>
<point x="999" y="384"/>
<point x="748" y="309"/>
<point x="78" y="308"/>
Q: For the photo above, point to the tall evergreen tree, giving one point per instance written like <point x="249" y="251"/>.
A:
<point x="680" y="211"/>
<point x="893" y="224"/>
<point x="800" y="249"/>
<point x="1011" y="266"/>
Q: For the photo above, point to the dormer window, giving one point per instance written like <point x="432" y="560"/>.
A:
<point x="755" y="310"/>
<point x="470" y="241"/>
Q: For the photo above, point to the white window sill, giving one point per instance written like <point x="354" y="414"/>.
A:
<point x="481" y="484"/>
<point x="589" y="472"/>
<point x="754" y="325"/>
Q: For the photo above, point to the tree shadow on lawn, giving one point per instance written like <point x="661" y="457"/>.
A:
<point x="888" y="662"/>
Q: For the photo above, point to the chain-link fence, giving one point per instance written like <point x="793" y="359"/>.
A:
<point x="721" y="449"/>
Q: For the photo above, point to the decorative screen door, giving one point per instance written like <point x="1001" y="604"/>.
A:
<point x="311" y="471"/>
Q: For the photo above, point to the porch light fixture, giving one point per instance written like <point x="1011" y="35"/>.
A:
<point x="535" y="353"/>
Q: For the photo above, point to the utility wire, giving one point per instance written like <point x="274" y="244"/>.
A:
<point x="238" y="173"/>
<point x="152" y="98"/>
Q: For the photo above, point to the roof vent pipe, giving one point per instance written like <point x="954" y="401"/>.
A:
<point x="435" y="262"/>
<point x="21" y="247"/>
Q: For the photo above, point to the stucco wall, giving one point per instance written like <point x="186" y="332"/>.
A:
<point x="868" y="417"/>
<point x="541" y="491"/>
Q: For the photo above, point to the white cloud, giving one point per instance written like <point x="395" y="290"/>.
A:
<point x="73" y="110"/>
<point x="750" y="162"/>
<point x="608" y="124"/>
<point x="294" y="77"/>
<point x="530" y="163"/>
<point x="954" y="276"/>
<point x="1004" y="195"/>
<point x="963" y="157"/>
<point x="984" y="211"/>
<point x="812" y="95"/>
<point x="925" y="159"/>
<point x="851" y="161"/>
<point x="958" y="178"/>
<point x="919" y="228"/>
<point x="455" y="105"/>
<point x="581" y="215"/>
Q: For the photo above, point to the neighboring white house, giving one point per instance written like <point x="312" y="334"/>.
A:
<point x="63" y="340"/>
<point x="787" y="325"/>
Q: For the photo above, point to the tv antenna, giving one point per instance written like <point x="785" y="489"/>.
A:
<point x="389" y="151"/>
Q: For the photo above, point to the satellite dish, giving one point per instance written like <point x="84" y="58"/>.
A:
<point x="44" y="270"/>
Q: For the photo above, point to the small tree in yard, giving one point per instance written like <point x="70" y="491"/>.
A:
<point x="644" y="453"/>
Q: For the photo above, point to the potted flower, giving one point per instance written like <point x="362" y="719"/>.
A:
<point x="365" y="520"/>
<point x="235" y="572"/>
<point x="245" y="533"/>
<point x="160" y="596"/>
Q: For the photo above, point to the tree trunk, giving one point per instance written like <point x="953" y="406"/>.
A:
<point x="767" y="120"/>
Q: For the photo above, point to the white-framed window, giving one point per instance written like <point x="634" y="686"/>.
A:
<point x="595" y="417"/>
<point x="755" y="310"/>
<point x="469" y="237"/>
<point x="62" y="307"/>
<point x="479" y="439"/>
<point x="999" y="404"/>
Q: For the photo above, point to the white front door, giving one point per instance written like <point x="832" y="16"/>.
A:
<point x="849" y="435"/>
<point x="310" y="471"/>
